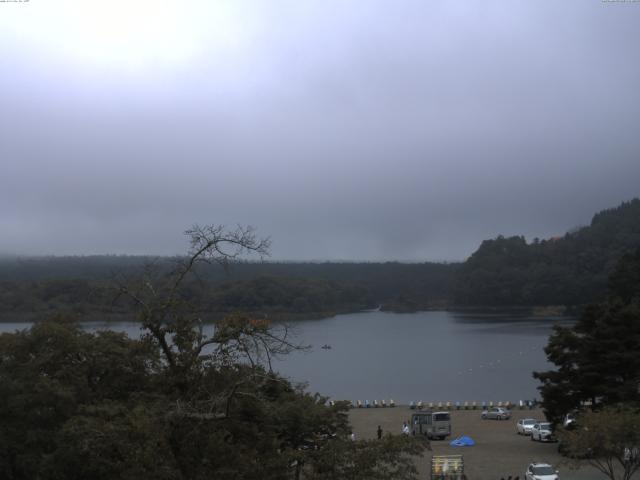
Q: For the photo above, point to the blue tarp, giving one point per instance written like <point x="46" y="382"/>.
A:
<point x="463" y="441"/>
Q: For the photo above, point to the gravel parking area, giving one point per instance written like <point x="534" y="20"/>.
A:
<point x="499" y="450"/>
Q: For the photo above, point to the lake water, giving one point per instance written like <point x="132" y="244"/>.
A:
<point x="428" y="356"/>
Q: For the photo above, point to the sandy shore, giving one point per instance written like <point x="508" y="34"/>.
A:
<point x="499" y="451"/>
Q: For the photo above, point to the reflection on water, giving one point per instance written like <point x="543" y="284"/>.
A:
<point x="429" y="356"/>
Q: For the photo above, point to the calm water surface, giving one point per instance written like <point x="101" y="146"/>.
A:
<point x="429" y="356"/>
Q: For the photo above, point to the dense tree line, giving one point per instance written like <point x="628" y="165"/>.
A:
<point x="571" y="270"/>
<point x="84" y="285"/>
<point x="264" y="295"/>
<point x="278" y="294"/>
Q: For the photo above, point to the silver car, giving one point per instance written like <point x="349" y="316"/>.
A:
<point x="541" y="471"/>
<point x="542" y="432"/>
<point x="497" y="413"/>
<point x="525" y="425"/>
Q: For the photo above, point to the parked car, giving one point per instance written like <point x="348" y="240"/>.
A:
<point x="524" y="426"/>
<point x="496" y="413"/>
<point x="568" y="419"/>
<point x="543" y="432"/>
<point x="541" y="471"/>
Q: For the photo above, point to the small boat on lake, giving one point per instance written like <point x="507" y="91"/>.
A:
<point x="326" y="347"/>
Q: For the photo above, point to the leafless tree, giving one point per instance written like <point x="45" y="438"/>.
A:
<point x="175" y="323"/>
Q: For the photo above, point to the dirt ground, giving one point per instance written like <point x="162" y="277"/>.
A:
<point x="498" y="453"/>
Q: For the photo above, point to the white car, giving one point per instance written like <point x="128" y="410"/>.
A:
<point x="542" y="432"/>
<point x="524" y="426"/>
<point x="541" y="471"/>
<point x="568" y="419"/>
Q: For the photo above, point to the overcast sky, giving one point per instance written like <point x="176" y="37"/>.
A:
<point x="362" y="129"/>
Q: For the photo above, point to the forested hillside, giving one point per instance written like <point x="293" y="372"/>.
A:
<point x="571" y="270"/>
<point x="86" y="286"/>
<point x="568" y="270"/>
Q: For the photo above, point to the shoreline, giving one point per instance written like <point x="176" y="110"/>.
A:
<point x="552" y="311"/>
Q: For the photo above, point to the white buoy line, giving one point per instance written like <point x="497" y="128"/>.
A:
<point x="496" y="363"/>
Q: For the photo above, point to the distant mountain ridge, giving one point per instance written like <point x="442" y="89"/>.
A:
<point x="570" y="270"/>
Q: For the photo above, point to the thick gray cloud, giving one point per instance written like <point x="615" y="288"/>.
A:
<point x="345" y="130"/>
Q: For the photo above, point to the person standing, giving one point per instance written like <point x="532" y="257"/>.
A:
<point x="405" y="428"/>
<point x="379" y="432"/>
